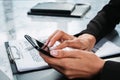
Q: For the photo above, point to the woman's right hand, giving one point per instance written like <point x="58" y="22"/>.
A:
<point x="84" y="41"/>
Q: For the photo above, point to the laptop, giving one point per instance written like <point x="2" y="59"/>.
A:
<point x="24" y="56"/>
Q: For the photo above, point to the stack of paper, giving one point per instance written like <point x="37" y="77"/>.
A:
<point x="107" y="49"/>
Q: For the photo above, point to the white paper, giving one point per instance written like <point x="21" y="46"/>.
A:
<point x="106" y="48"/>
<point x="26" y="57"/>
<point x="27" y="63"/>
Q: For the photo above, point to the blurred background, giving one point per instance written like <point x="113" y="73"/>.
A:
<point x="15" y="23"/>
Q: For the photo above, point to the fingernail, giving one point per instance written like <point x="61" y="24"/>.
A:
<point x="54" y="53"/>
<point x="46" y="43"/>
<point x="52" y="48"/>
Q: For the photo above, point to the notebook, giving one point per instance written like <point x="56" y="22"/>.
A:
<point x="60" y="9"/>
<point x="53" y="7"/>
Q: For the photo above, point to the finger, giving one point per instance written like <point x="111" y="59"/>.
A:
<point x="61" y="45"/>
<point x="70" y="43"/>
<point x="75" y="43"/>
<point x="48" y="40"/>
<point x="59" y="36"/>
<point x="51" y="60"/>
<point x="72" y="53"/>
<point x="55" y="37"/>
<point x="58" y="68"/>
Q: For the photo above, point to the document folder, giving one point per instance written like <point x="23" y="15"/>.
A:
<point x="60" y="9"/>
<point x="106" y="49"/>
<point x="53" y="7"/>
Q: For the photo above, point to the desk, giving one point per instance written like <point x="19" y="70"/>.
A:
<point x="15" y="23"/>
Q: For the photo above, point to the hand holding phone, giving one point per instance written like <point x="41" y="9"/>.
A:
<point x="38" y="45"/>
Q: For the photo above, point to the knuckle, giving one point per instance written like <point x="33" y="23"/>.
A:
<point x="49" y="61"/>
<point x="67" y="73"/>
<point x="57" y="30"/>
<point x="63" y="55"/>
<point x="65" y="65"/>
<point x="60" y="31"/>
<point x="66" y="43"/>
<point x="60" y="53"/>
<point x="70" y="77"/>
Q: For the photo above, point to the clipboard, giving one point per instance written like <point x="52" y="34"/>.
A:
<point x="19" y="64"/>
<point x="11" y="58"/>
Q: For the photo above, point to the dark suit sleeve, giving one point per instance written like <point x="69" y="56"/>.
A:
<point x="105" y="21"/>
<point x="111" y="71"/>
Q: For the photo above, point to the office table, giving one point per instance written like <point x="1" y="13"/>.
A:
<point x="15" y="23"/>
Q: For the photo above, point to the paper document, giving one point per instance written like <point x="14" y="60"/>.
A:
<point x="62" y="9"/>
<point x="106" y="48"/>
<point x="25" y="56"/>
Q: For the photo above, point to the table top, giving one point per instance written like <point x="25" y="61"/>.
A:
<point x="15" y="23"/>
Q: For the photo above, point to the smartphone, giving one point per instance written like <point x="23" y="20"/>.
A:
<point x="38" y="45"/>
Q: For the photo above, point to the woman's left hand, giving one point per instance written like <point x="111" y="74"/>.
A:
<point x="75" y="63"/>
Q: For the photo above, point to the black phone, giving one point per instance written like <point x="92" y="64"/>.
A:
<point x="41" y="47"/>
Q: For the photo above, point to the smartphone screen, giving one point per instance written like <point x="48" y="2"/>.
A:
<point x="38" y="45"/>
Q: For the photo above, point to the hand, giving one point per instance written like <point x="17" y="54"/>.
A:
<point x="75" y="63"/>
<point x="85" y="41"/>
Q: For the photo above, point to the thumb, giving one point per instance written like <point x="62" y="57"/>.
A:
<point x="73" y="53"/>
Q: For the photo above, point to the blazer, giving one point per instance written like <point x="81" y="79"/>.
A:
<point x="102" y="24"/>
<point x="105" y="21"/>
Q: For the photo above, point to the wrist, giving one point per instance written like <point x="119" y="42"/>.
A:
<point x="98" y="69"/>
<point x="97" y="75"/>
<point x="89" y="38"/>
